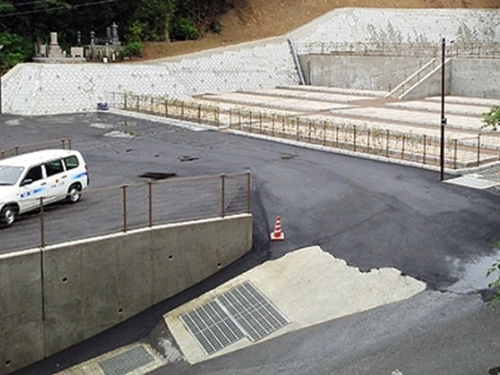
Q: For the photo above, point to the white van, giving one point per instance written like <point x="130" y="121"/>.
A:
<point x="51" y="174"/>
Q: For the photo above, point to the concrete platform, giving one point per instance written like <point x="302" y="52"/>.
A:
<point x="292" y="283"/>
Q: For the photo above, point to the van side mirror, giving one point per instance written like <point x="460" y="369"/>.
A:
<point x="26" y="182"/>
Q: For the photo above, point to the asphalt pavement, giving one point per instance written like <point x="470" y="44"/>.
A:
<point x="368" y="213"/>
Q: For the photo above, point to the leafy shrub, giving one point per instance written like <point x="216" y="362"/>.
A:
<point x="132" y="49"/>
<point x="184" y="29"/>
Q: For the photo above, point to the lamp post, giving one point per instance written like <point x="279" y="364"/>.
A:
<point x="443" y="118"/>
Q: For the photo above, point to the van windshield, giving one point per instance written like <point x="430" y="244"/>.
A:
<point x="9" y="175"/>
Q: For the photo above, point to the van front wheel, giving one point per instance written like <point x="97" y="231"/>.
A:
<point x="8" y="216"/>
<point x="74" y="194"/>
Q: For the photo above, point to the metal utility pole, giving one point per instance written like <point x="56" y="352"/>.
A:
<point x="443" y="118"/>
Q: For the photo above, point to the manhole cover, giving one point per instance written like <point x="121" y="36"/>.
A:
<point x="241" y="312"/>
<point x="127" y="362"/>
<point x="157" y="175"/>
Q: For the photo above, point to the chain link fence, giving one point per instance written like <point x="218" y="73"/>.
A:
<point x="346" y="135"/>
<point x="64" y="143"/>
<point x="124" y="208"/>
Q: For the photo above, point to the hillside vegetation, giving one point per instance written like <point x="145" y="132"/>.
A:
<point x="257" y="19"/>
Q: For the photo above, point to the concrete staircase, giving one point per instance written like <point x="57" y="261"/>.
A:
<point x="401" y="90"/>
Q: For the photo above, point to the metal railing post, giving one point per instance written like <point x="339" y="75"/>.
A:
<point x="223" y="195"/>
<point x="150" y="202"/>
<point x="249" y="193"/>
<point x="478" y="149"/>
<point x="455" y="141"/>
<point x="124" y="191"/>
<point x="354" y="134"/>
<point x="42" y="224"/>
<point x="425" y="148"/>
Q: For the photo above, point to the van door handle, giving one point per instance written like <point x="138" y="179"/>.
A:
<point x="43" y="184"/>
<point x="64" y="176"/>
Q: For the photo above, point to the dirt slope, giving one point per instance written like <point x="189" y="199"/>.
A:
<point x="257" y="19"/>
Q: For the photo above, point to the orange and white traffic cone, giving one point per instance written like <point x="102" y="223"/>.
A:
<point x="277" y="235"/>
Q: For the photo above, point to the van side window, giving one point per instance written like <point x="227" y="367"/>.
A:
<point x="71" y="162"/>
<point x="54" y="167"/>
<point x="34" y="174"/>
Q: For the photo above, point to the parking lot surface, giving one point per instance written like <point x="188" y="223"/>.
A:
<point x="368" y="213"/>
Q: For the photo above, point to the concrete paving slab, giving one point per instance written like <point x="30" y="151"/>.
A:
<point x="422" y="118"/>
<point x="474" y="181"/>
<point x="292" y="283"/>
<point x="466" y="100"/>
<point x="309" y="95"/>
<point x="337" y="90"/>
<point x="433" y="106"/>
<point x="276" y="102"/>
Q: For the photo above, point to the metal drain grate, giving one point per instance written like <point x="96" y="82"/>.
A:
<point x="127" y="362"/>
<point x="241" y="312"/>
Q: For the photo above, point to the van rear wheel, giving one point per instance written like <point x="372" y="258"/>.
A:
<point x="74" y="194"/>
<point x="8" y="216"/>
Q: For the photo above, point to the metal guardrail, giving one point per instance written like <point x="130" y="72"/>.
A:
<point x="64" y="143"/>
<point x="331" y="132"/>
<point x="457" y="49"/>
<point x="124" y="208"/>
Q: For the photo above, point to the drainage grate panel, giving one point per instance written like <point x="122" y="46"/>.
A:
<point x="476" y="183"/>
<point x="212" y="327"/>
<point x="127" y="362"/>
<point x="241" y="312"/>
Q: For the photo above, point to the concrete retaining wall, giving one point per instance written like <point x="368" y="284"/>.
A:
<point x="476" y="77"/>
<point x="56" y="297"/>
<point x="359" y="72"/>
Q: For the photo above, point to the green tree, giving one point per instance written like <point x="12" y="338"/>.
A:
<point x="492" y="118"/>
<point x="152" y="20"/>
<point x="16" y="49"/>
